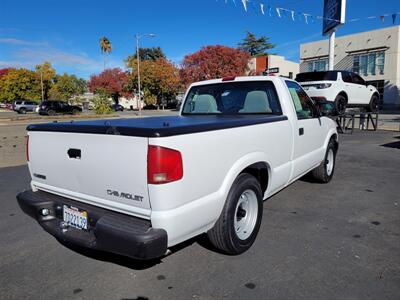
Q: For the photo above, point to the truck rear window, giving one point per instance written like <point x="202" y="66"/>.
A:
<point x="316" y="76"/>
<point x="231" y="98"/>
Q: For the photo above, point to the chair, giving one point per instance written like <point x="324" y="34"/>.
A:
<point x="205" y="104"/>
<point x="256" y="102"/>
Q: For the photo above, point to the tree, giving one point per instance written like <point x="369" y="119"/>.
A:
<point x="45" y="74"/>
<point x="5" y="71"/>
<point x="19" y="84"/>
<point x="159" y="79"/>
<point x="66" y="86"/>
<point x="111" y="81"/>
<point x="153" y="54"/>
<point x="213" y="62"/>
<point x="105" y="47"/>
<point x="255" y="46"/>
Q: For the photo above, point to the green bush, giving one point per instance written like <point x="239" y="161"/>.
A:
<point x="101" y="104"/>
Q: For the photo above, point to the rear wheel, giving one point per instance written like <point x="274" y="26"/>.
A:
<point x="340" y="104"/>
<point x="324" y="172"/>
<point x="51" y="112"/>
<point x="237" y="227"/>
<point x="22" y="111"/>
<point x="373" y="104"/>
<point x="75" y="111"/>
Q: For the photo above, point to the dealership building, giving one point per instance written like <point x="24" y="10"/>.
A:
<point x="374" y="55"/>
<point x="273" y="64"/>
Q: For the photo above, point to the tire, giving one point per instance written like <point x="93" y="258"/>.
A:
<point x="51" y="112"/>
<point x="75" y="111"/>
<point x="324" y="172"/>
<point x="340" y="104"/>
<point x="22" y="111"/>
<point x="237" y="227"/>
<point x="373" y="105"/>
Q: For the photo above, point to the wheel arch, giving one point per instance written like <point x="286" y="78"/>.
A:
<point x="260" y="170"/>
<point x="344" y="94"/>
<point x="256" y="164"/>
<point x="332" y="136"/>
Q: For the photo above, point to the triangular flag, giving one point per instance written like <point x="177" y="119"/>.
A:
<point x="382" y="18"/>
<point x="245" y="4"/>
<point x="262" y="9"/>
<point x="394" y="18"/>
<point x="278" y="11"/>
<point x="292" y="12"/>
<point x="306" y="18"/>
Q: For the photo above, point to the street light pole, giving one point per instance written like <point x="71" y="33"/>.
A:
<point x="139" y="105"/>
<point x="139" y="102"/>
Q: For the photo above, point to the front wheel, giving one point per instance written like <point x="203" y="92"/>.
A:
<point x="237" y="227"/>
<point x="324" y="172"/>
<point x="75" y="111"/>
<point x="373" y="105"/>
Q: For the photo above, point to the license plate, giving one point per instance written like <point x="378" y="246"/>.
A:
<point x="74" y="217"/>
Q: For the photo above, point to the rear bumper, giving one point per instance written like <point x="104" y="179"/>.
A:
<point x="108" y="231"/>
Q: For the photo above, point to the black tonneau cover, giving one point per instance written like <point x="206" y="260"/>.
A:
<point x="157" y="126"/>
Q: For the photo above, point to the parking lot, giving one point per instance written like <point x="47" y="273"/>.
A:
<point x="334" y="241"/>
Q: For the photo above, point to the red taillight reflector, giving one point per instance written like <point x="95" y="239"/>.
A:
<point x="27" y="147"/>
<point x="163" y="165"/>
<point x="229" y="78"/>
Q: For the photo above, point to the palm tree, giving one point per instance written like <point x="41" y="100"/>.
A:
<point x="105" y="47"/>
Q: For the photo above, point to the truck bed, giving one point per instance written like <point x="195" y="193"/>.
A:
<point x="157" y="126"/>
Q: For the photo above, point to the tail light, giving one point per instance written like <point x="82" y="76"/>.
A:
<point x="229" y="78"/>
<point x="163" y="165"/>
<point x="27" y="147"/>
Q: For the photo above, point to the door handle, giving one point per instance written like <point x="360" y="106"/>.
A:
<point x="74" y="153"/>
<point x="301" y="131"/>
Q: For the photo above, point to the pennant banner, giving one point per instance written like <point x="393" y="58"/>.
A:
<point x="301" y="16"/>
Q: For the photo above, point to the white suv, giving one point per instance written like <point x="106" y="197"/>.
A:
<point x="344" y="88"/>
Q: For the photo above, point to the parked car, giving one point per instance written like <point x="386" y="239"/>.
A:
<point x="24" y="106"/>
<point x="52" y="108"/>
<point x="117" y="107"/>
<point x="236" y="142"/>
<point x="343" y="88"/>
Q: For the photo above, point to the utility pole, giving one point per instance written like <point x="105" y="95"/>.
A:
<point x="138" y="100"/>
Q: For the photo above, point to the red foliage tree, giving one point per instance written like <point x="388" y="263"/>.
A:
<point x="214" y="62"/>
<point x="5" y="71"/>
<point x="111" y="81"/>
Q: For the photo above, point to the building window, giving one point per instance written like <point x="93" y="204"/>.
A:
<point x="318" y="65"/>
<point x="369" y="64"/>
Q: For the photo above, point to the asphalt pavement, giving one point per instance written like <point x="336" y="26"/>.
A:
<point x="335" y="241"/>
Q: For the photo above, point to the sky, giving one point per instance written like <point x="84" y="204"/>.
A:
<point x="67" y="32"/>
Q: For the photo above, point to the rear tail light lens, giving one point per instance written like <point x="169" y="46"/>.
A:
<point x="27" y="147"/>
<point x="164" y="165"/>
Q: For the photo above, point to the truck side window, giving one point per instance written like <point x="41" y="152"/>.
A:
<point x="303" y="105"/>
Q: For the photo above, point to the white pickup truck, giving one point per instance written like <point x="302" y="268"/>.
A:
<point x="136" y="187"/>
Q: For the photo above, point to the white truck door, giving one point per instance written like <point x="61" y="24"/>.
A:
<point x="308" y="136"/>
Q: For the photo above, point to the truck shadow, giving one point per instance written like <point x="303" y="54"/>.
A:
<point x="137" y="264"/>
<point x="124" y="261"/>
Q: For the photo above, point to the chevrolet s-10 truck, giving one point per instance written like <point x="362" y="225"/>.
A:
<point x="137" y="187"/>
